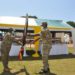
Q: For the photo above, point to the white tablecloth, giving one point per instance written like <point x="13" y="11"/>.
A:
<point x="58" y="49"/>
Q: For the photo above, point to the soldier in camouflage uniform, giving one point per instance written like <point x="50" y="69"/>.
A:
<point x="6" y="46"/>
<point x="45" y="36"/>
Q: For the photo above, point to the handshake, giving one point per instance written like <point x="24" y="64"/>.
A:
<point x="32" y="41"/>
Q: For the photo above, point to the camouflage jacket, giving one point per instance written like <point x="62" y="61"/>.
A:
<point x="46" y="37"/>
<point x="7" y="41"/>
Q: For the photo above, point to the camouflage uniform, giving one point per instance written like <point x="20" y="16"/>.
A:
<point x="5" y="48"/>
<point x="47" y="44"/>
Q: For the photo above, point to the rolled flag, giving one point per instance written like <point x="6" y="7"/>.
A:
<point x="20" y="56"/>
<point x="21" y="52"/>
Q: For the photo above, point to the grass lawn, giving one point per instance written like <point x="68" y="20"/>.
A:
<point x="65" y="66"/>
<point x="61" y="66"/>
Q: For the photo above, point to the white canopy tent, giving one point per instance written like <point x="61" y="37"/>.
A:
<point x="55" y="25"/>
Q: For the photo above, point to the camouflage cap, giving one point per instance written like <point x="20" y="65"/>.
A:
<point x="10" y="29"/>
<point x="44" y="23"/>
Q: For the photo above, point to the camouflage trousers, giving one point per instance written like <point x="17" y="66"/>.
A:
<point x="45" y="53"/>
<point x="5" y="57"/>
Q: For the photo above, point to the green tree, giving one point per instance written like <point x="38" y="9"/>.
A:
<point x="71" y="23"/>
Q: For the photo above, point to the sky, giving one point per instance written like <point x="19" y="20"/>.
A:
<point x="43" y="9"/>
